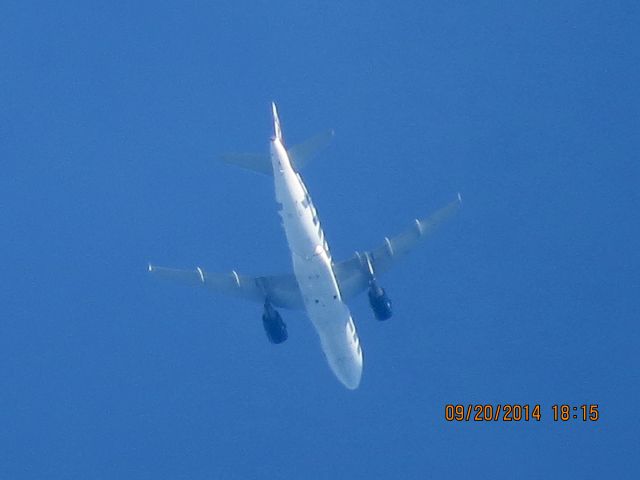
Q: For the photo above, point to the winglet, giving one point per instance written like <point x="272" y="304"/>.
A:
<point x="276" y="122"/>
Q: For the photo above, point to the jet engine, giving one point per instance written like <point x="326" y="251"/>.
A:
<point x="273" y="324"/>
<point x="379" y="301"/>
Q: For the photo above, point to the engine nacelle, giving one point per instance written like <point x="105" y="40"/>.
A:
<point x="380" y="303"/>
<point x="273" y="325"/>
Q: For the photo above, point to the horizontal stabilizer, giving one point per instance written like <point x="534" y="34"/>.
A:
<point x="300" y="155"/>
<point x="250" y="161"/>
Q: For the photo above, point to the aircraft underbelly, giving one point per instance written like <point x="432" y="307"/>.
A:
<point x="330" y="317"/>
<point x="312" y="267"/>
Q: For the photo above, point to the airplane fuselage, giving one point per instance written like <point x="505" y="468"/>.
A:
<point x="318" y="284"/>
<point x="313" y="269"/>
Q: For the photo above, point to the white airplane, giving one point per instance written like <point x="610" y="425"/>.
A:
<point x="318" y="284"/>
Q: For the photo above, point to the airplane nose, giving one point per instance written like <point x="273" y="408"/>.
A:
<point x="343" y="354"/>
<point x="351" y="382"/>
<point x="349" y="372"/>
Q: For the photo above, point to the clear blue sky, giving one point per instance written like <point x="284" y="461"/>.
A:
<point x="111" y="116"/>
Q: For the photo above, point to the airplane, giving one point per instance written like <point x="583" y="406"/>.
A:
<point x="318" y="284"/>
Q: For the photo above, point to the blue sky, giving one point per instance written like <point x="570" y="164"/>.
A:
<point x="111" y="116"/>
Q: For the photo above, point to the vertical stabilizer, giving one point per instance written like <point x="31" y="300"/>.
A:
<point x="276" y="122"/>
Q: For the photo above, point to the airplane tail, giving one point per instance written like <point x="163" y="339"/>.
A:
<point x="276" y="122"/>
<point x="300" y="155"/>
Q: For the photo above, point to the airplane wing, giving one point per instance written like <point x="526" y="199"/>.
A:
<point x="281" y="290"/>
<point x="353" y="274"/>
<point x="300" y="154"/>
